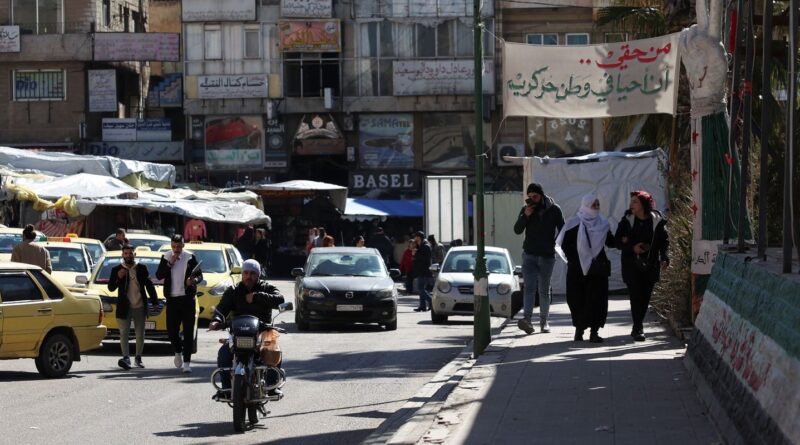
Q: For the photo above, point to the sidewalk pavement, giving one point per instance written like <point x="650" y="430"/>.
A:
<point x="549" y="389"/>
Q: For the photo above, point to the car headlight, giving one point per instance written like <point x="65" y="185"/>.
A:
<point x="444" y="286"/>
<point x="503" y="288"/>
<point x="313" y="293"/>
<point x="384" y="294"/>
<point x="220" y="288"/>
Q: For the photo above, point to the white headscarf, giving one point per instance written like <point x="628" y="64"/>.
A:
<point x="589" y="221"/>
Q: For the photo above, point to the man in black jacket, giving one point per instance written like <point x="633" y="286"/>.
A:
<point x="251" y="296"/>
<point x="541" y="220"/>
<point x="132" y="283"/>
<point x="380" y="241"/>
<point x="421" y="265"/>
<point x="181" y="273"/>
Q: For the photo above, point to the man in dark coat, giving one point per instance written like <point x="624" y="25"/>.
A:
<point x="132" y="282"/>
<point x="252" y="296"/>
<point x="180" y="273"/>
<point x="421" y="264"/>
<point x="380" y="241"/>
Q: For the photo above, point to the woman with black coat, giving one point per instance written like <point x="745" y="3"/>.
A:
<point x="642" y="237"/>
<point x="581" y="243"/>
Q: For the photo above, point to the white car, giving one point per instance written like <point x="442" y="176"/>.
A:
<point x="453" y="292"/>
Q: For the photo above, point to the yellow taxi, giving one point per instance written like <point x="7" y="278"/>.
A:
<point x="72" y="264"/>
<point x="10" y="237"/>
<point x="155" y="327"/>
<point x="43" y="320"/>
<point x="94" y="246"/>
<point x="222" y="268"/>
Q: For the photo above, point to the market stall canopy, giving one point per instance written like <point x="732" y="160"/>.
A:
<point x="245" y="196"/>
<point x="302" y="188"/>
<point x="82" y="185"/>
<point x="71" y="164"/>
<point x="230" y="212"/>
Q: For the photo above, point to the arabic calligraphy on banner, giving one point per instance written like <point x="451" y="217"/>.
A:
<point x="306" y="8"/>
<point x="439" y="77"/>
<point x="235" y="142"/>
<point x="9" y="39"/>
<point x="615" y="79"/>
<point x="102" y="90"/>
<point x="215" y="10"/>
<point x="310" y="35"/>
<point x="232" y="87"/>
<point x="122" y="46"/>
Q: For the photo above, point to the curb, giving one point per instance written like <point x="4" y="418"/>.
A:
<point x="413" y="420"/>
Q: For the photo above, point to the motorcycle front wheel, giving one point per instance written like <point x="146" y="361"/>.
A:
<point x="239" y="388"/>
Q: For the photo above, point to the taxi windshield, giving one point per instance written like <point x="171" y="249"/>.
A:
<point x="109" y="263"/>
<point x="67" y="260"/>
<point x="8" y="241"/>
<point x="213" y="261"/>
<point x="95" y="251"/>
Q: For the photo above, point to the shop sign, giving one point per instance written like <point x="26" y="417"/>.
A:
<point x="116" y="130"/>
<point x="276" y="154"/>
<point x="153" y="129"/>
<point x="402" y="180"/>
<point x="9" y="39"/>
<point x="102" y="90"/>
<point x="232" y="87"/>
<point x="306" y="8"/>
<point x="132" y="46"/>
<point x="439" y="77"/>
<point x="318" y="134"/>
<point x="310" y="36"/>
<point x="234" y="142"/>
<point x="386" y="140"/>
<point x="139" y="151"/>
<point x="215" y="10"/>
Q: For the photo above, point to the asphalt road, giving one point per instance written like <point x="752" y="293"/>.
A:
<point x="342" y="383"/>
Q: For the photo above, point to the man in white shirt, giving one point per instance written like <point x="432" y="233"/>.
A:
<point x="181" y="273"/>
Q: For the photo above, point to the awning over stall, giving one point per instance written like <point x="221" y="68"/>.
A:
<point x="302" y="188"/>
<point x="384" y="207"/>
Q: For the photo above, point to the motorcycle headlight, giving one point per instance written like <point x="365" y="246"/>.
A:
<point x="503" y="288"/>
<point x="444" y="286"/>
<point x="384" y="294"/>
<point x="313" y="293"/>
<point x="220" y="288"/>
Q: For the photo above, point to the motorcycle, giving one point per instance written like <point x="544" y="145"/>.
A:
<point x="249" y="373"/>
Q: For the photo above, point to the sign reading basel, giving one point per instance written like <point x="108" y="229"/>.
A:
<point x="395" y="180"/>
<point x="616" y="79"/>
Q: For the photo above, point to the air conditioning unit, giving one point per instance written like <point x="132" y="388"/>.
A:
<point x="506" y="149"/>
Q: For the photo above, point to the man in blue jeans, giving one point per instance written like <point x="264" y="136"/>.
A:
<point x="541" y="220"/>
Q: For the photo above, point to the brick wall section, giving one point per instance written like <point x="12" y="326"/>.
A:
<point x="738" y="414"/>
<point x="765" y="300"/>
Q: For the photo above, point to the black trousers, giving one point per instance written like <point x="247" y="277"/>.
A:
<point x="180" y="313"/>
<point x="640" y="289"/>
<point x="587" y="298"/>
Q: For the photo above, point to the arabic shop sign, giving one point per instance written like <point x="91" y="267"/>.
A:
<point x="9" y="39"/>
<point x="215" y="10"/>
<point x="139" y="151"/>
<point x="306" y="8"/>
<point x="102" y="90"/>
<point x="616" y="79"/>
<point x="310" y="36"/>
<point x="232" y="87"/>
<point x="234" y="142"/>
<point x="386" y="140"/>
<point x="445" y="77"/>
<point x="130" y="130"/>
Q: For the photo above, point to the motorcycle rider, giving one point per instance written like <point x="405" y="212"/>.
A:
<point x="252" y="296"/>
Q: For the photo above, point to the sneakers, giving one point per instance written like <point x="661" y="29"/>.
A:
<point x="421" y="309"/>
<point x="545" y="326"/>
<point x="186" y="368"/>
<point x="125" y="363"/>
<point x="578" y="334"/>
<point x="594" y="337"/>
<point x="138" y="362"/>
<point x="525" y="325"/>
<point x="178" y="360"/>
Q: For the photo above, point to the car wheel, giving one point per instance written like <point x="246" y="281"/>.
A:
<point x="302" y="324"/>
<point x="436" y="318"/>
<point x="55" y="356"/>
<point x="391" y="326"/>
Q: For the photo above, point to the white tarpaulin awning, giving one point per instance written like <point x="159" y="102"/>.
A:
<point x="71" y="164"/>
<point x="230" y="212"/>
<point x="82" y="185"/>
<point x="244" y="196"/>
<point x="337" y="192"/>
<point x="612" y="176"/>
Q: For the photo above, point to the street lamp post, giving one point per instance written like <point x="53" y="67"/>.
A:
<point x="481" y="331"/>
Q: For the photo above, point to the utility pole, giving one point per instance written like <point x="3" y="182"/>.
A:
<point x="481" y="332"/>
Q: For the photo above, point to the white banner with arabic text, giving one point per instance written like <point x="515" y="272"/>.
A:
<point x="614" y="79"/>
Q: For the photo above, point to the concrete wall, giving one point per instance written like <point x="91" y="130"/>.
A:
<point x="744" y="355"/>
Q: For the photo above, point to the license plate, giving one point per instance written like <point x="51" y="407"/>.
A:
<point x="350" y="307"/>
<point x="149" y="324"/>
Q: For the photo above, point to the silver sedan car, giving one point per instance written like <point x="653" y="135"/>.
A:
<point x="454" y="287"/>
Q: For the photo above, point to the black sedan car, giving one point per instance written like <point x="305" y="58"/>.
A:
<point x="345" y="285"/>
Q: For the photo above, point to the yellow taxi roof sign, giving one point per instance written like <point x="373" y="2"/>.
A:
<point x="71" y="235"/>
<point x="142" y="249"/>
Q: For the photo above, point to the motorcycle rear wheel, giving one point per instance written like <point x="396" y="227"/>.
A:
<point x="239" y="388"/>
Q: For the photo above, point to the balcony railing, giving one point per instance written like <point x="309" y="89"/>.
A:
<point x="54" y="27"/>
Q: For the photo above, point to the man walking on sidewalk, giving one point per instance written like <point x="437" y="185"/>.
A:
<point x="180" y="288"/>
<point x="541" y="220"/>
<point x="133" y="284"/>
<point x="422" y="271"/>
